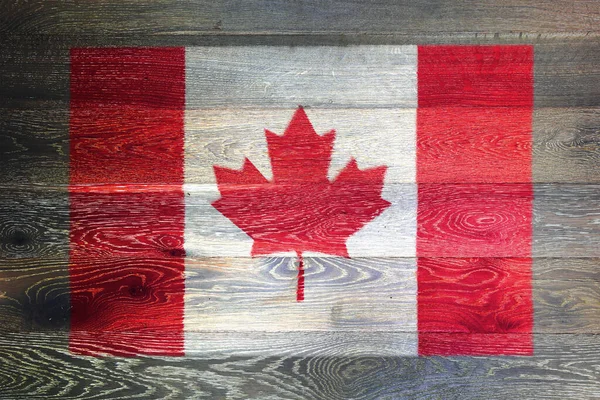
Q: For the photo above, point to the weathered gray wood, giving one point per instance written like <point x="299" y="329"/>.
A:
<point x="34" y="117"/>
<point x="567" y="77"/>
<point x="38" y="366"/>
<point x="566" y="145"/>
<point x="34" y="146"/>
<point x="342" y="295"/>
<point x="34" y="294"/>
<point x="280" y="16"/>
<point x="567" y="307"/>
<point x="67" y="41"/>
<point x="34" y="76"/>
<point x="33" y="223"/>
<point x="553" y="206"/>
<point x="567" y="269"/>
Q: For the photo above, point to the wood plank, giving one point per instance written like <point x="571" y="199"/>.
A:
<point x="340" y="295"/>
<point x="392" y="234"/>
<point x="38" y="366"/>
<point x="553" y="206"/>
<point x="262" y="16"/>
<point x="366" y="294"/>
<point x="35" y="294"/>
<point x="34" y="223"/>
<point x="35" y="142"/>
<point x="285" y="77"/>
<point x="33" y="75"/>
<point x="67" y="41"/>
<point x="566" y="144"/>
<point x="567" y="307"/>
<point x="565" y="222"/>
<point x="567" y="77"/>
<point x="567" y="72"/>
<point x="34" y="146"/>
<point x="567" y="269"/>
<point x="251" y="294"/>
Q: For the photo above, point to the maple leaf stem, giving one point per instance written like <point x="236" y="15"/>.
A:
<point x="300" y="289"/>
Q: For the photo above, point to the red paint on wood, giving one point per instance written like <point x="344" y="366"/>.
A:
<point x="126" y="128"/>
<point x="475" y="344"/>
<point x="474" y="298"/>
<point x="300" y="210"/>
<point x="127" y="110"/>
<point x="475" y="199"/>
<point x="474" y="220"/>
<point x="475" y="114"/>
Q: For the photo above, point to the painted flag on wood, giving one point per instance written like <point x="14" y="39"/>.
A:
<point x="351" y="190"/>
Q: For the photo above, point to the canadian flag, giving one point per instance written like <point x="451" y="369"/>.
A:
<point x="297" y="198"/>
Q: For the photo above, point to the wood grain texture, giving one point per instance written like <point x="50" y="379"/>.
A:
<point x="569" y="269"/>
<point x="38" y="366"/>
<point x="34" y="142"/>
<point x="260" y="16"/>
<point x="36" y="71"/>
<point x="35" y="76"/>
<point x="34" y="146"/>
<point x="372" y="136"/>
<point x="560" y="80"/>
<point x="392" y="234"/>
<point x="555" y="204"/>
<point x="474" y="220"/>
<point x="243" y="294"/>
<point x="34" y="294"/>
<point x="36" y="38"/>
<point x="323" y="77"/>
<point x="116" y="137"/>
<point x="462" y="300"/>
<point x="33" y="222"/>
<point x="566" y="145"/>
<point x="554" y="305"/>
<point x="37" y="224"/>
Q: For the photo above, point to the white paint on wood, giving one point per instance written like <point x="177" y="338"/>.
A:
<point x="234" y="93"/>
<point x="373" y="137"/>
<point x="285" y="77"/>
<point x="341" y="295"/>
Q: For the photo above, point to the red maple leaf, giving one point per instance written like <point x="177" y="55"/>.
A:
<point x="300" y="209"/>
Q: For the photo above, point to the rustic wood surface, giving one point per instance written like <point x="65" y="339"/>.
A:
<point x="242" y="294"/>
<point x="565" y="366"/>
<point x="34" y="222"/>
<point x="261" y="16"/>
<point x="347" y="350"/>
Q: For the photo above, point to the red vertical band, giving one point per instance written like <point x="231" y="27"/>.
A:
<point x="474" y="142"/>
<point x="127" y="204"/>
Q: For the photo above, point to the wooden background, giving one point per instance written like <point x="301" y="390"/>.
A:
<point x="35" y="38"/>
